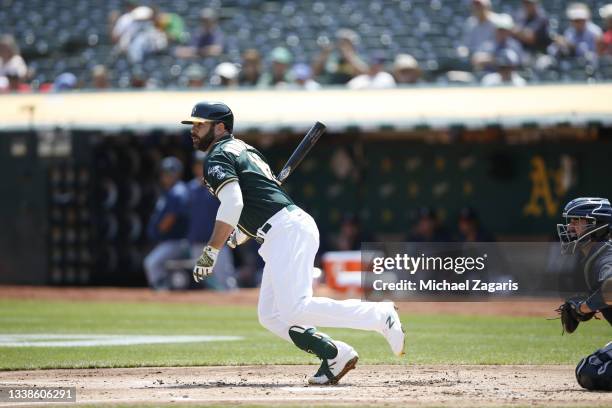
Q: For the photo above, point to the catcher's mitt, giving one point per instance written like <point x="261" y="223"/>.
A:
<point x="571" y="315"/>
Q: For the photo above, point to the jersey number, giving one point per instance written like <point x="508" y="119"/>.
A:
<point x="262" y="165"/>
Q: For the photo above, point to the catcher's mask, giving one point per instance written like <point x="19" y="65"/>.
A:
<point x="597" y="213"/>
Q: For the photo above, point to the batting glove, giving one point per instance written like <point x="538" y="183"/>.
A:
<point x="236" y="238"/>
<point x="205" y="264"/>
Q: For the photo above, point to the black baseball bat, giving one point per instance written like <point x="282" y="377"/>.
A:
<point x="301" y="151"/>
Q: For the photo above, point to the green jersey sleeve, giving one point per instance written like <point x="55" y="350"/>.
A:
<point x="220" y="170"/>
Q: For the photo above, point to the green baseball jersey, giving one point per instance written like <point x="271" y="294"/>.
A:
<point x="232" y="159"/>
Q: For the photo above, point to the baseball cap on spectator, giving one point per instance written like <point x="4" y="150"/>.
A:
<point x="171" y="165"/>
<point x="302" y="71"/>
<point x="227" y="70"/>
<point x="142" y="13"/>
<point x="208" y="14"/>
<point x="503" y="21"/>
<point x="378" y="57"/>
<point x="65" y="81"/>
<point x="485" y="3"/>
<point x="195" y="72"/>
<point x="347" y="34"/>
<point x="578" y="11"/>
<point x="281" y="55"/>
<point x="606" y="11"/>
<point x="405" y="61"/>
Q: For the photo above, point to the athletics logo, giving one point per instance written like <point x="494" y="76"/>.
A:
<point x="217" y="172"/>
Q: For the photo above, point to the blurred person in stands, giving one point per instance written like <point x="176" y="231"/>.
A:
<point x="376" y="78"/>
<point x="478" y="29"/>
<point x="427" y="227"/>
<point x="203" y="209"/>
<point x="350" y="236"/>
<point x="338" y="63"/>
<point x="195" y="76"/>
<point x="168" y="225"/>
<point x="302" y="75"/>
<point x="406" y="70"/>
<point x="531" y="27"/>
<point x="251" y="68"/>
<point x="144" y="38"/>
<point x="99" y="75"/>
<point x="581" y="38"/>
<point x="13" y="69"/>
<point x="279" y="75"/>
<point x="122" y="24"/>
<point x="604" y="47"/>
<point x="171" y="24"/>
<point x="506" y="64"/>
<point x="207" y="41"/>
<point x="66" y="81"/>
<point x="485" y="56"/>
<point x="469" y="228"/>
<point x="225" y="75"/>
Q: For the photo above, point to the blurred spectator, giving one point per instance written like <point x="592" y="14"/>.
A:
<point x="302" y="75"/>
<point x="121" y="25"/>
<point x="65" y="82"/>
<point x="406" y="69"/>
<point x="251" y="68"/>
<point x="428" y="228"/>
<point x="208" y="41"/>
<point x="337" y="64"/>
<point x="225" y="75"/>
<point x="203" y="210"/>
<point x="99" y="75"/>
<point x="489" y="51"/>
<point x="143" y="38"/>
<point x="279" y="75"/>
<point x="506" y="64"/>
<point x="171" y="24"/>
<point x="168" y="224"/>
<point x="351" y="235"/>
<point x="138" y="79"/>
<point x="478" y="28"/>
<point x="196" y="76"/>
<point x="11" y="62"/>
<point x="605" y="42"/>
<point x="13" y="83"/>
<point x="582" y="37"/>
<point x="505" y="73"/>
<point x="376" y="78"/>
<point x="469" y="227"/>
<point x="531" y="27"/>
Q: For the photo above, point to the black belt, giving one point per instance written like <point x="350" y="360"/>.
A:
<point x="266" y="227"/>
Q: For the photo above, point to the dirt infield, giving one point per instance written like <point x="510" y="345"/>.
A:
<point x="248" y="297"/>
<point x="410" y="385"/>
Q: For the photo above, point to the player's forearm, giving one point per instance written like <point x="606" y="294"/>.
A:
<point x="600" y="299"/>
<point x="228" y="213"/>
<point x="220" y="234"/>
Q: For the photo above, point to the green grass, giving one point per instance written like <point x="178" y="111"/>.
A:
<point x="430" y="339"/>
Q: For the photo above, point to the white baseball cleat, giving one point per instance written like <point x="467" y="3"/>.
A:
<point x="393" y="330"/>
<point x="332" y="370"/>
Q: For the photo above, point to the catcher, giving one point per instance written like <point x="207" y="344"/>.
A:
<point x="586" y="234"/>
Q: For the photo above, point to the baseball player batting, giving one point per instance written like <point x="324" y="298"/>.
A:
<point x="254" y="206"/>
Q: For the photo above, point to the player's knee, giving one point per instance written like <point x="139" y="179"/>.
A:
<point x="295" y="313"/>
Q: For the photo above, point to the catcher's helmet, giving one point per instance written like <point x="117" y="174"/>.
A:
<point x="211" y="112"/>
<point x="597" y="212"/>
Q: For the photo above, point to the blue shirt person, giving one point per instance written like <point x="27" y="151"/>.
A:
<point x="168" y="225"/>
<point x="203" y="210"/>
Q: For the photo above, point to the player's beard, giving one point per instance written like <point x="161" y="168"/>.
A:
<point x="204" y="142"/>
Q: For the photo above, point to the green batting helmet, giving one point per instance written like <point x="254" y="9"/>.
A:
<point x="211" y="112"/>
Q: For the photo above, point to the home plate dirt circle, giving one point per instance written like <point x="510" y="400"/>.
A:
<point x="405" y="385"/>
